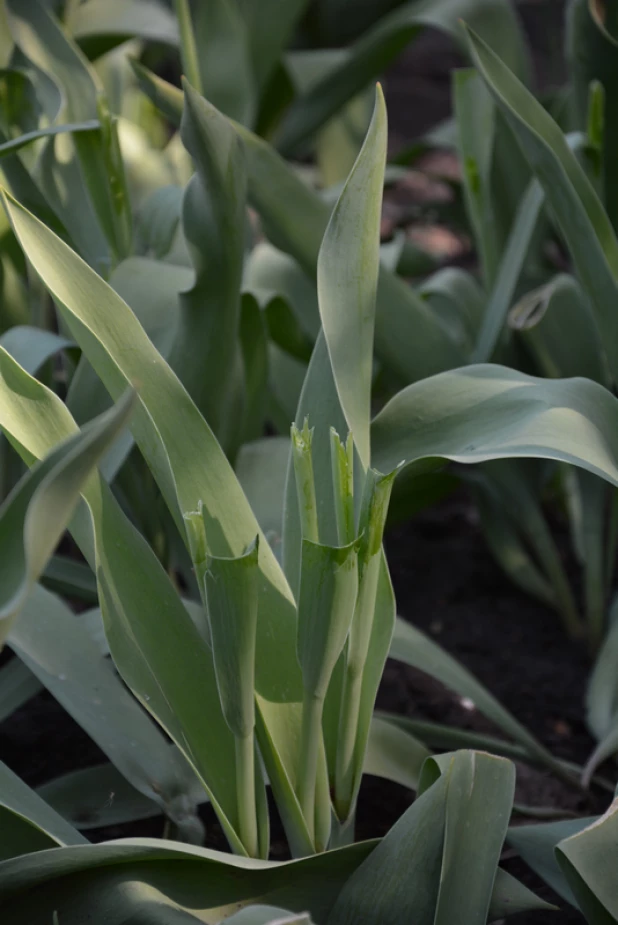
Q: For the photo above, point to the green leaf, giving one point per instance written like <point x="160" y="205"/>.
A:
<point x="101" y="878"/>
<point x="268" y="915"/>
<point x="327" y="597"/>
<point x="490" y="412"/>
<point x="40" y="36"/>
<point x="231" y="593"/>
<point x="261" y="468"/>
<point x="28" y="823"/>
<point x="439" y="861"/>
<point x="206" y="351"/>
<point x="508" y="272"/>
<point x="592" y="60"/>
<point x="372" y="53"/>
<point x="347" y="274"/>
<point x="15" y="144"/>
<point x="329" y="582"/>
<point x="35" y="515"/>
<point x="100" y="25"/>
<point x="100" y="796"/>
<point x="189" y="467"/>
<point x="135" y="591"/>
<point x="222" y="43"/>
<point x="514" y="486"/>
<point x="394" y="754"/>
<point x="536" y="844"/>
<point x="269" y="28"/>
<point x="17" y="686"/>
<point x="588" y="862"/>
<point x="578" y="211"/>
<point x="475" y="116"/>
<point x="57" y="648"/>
<point x="558" y="327"/>
<point x="408" y="338"/>
<point x="32" y="347"/>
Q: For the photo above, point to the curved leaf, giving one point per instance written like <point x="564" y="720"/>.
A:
<point x="36" y="513"/>
<point x="491" y="412"/>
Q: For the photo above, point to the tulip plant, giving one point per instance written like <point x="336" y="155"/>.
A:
<point x="248" y="640"/>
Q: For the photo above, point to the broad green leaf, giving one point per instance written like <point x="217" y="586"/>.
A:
<point x="475" y="116"/>
<point x="17" y="686"/>
<point x="57" y="648"/>
<point x="206" y="350"/>
<point x="101" y="879"/>
<point x="100" y="25"/>
<point x="190" y="468"/>
<point x="372" y="53"/>
<point x="347" y="274"/>
<point x="577" y="209"/>
<point x="443" y="851"/>
<point x="588" y="862"/>
<point x="28" y="823"/>
<point x="490" y="412"/>
<point x="479" y="800"/>
<point x="412" y="647"/>
<point x="36" y="513"/>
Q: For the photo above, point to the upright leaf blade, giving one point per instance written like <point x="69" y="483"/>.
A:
<point x="347" y="275"/>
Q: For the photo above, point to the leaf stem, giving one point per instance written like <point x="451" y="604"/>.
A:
<point x="245" y="793"/>
<point x="310" y="737"/>
<point x="188" y="48"/>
